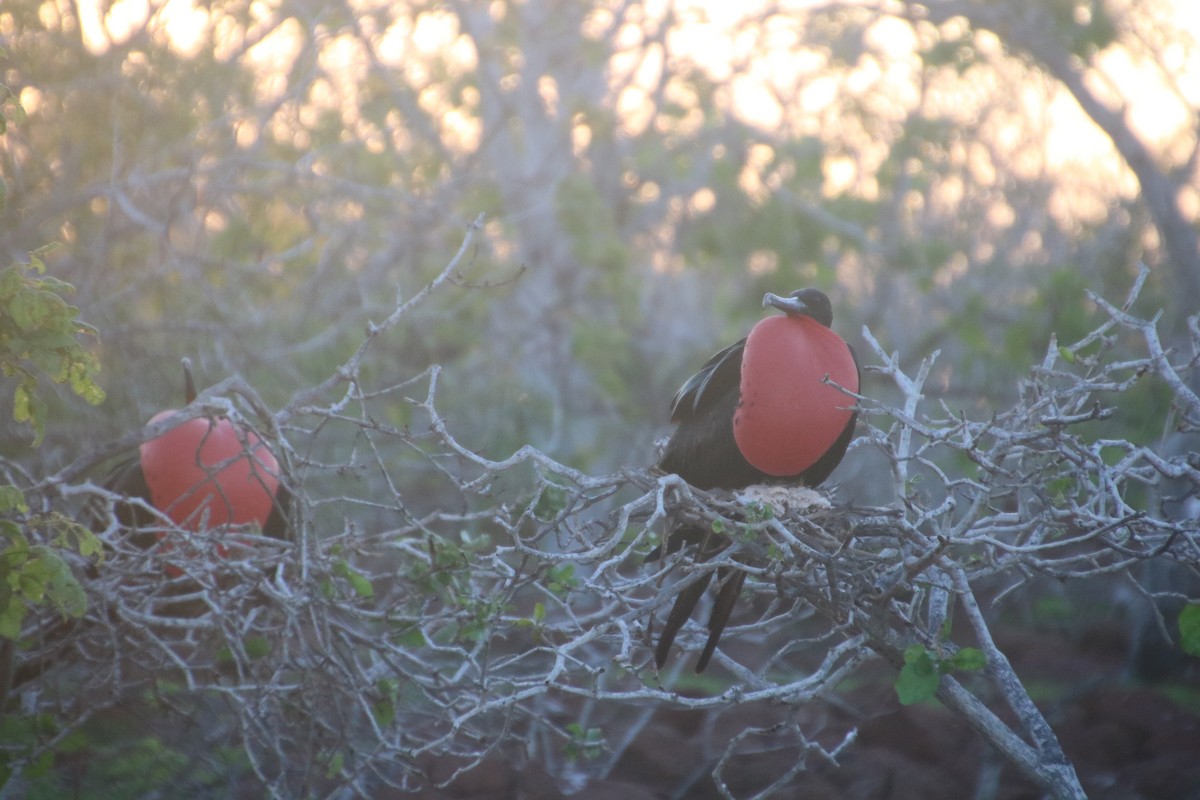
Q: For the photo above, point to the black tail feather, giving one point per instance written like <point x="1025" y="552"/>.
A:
<point x="730" y="582"/>
<point x="685" y="603"/>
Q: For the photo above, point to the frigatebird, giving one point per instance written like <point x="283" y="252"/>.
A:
<point x="204" y="470"/>
<point x="758" y="412"/>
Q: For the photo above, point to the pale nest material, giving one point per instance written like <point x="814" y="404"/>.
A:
<point x="783" y="499"/>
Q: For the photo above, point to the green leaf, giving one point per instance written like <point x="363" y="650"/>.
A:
<point x="1189" y="629"/>
<point x="34" y="578"/>
<point x="967" y="659"/>
<point x="39" y="336"/>
<point x="359" y="582"/>
<point x="384" y="709"/>
<point x="561" y="579"/>
<point x="551" y="502"/>
<point x="65" y="591"/>
<point x="918" y="679"/>
<point x="384" y="712"/>
<point x="336" y="762"/>
<point x="257" y="646"/>
<point x="585" y="742"/>
<point x="87" y="544"/>
<point x="35" y="309"/>
<point x="10" y="618"/>
<point x="41" y="765"/>
<point x="11" y="282"/>
<point x="411" y="637"/>
<point x="11" y="499"/>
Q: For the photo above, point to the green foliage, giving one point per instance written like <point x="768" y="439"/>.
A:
<point x="111" y="756"/>
<point x="535" y="623"/>
<point x="384" y="706"/>
<point x="10" y="105"/>
<point x="449" y="575"/>
<point x="606" y="349"/>
<point x="18" y="735"/>
<point x="585" y="743"/>
<point x="561" y="579"/>
<point x="121" y="767"/>
<point x="335" y="762"/>
<point x="39" y="335"/>
<point x="10" y="110"/>
<point x="1060" y="307"/>
<point x="358" y="582"/>
<point x="957" y="51"/>
<point x="1085" y="26"/>
<point x="918" y="677"/>
<point x="33" y="571"/>
<point x="255" y="647"/>
<point x="1189" y="629"/>
<point x="755" y="512"/>
<point x="552" y="499"/>
<point x="758" y="511"/>
<point x="587" y="219"/>
<point x="923" y="669"/>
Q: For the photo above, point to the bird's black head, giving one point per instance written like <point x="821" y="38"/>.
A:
<point x="803" y="303"/>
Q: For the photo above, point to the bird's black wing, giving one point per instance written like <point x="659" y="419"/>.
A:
<point x="278" y="524"/>
<point x="703" y="452"/>
<point x="720" y="374"/>
<point x="127" y="479"/>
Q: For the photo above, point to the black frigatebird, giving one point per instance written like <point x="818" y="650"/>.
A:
<point x="198" y="472"/>
<point x="758" y="412"/>
<point x="204" y="470"/>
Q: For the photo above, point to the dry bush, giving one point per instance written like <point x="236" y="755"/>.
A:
<point x="433" y="602"/>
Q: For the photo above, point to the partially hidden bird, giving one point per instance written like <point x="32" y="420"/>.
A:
<point x="204" y="472"/>
<point x="761" y="411"/>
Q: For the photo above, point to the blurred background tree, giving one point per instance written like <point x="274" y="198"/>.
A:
<point x="953" y="172"/>
<point x="251" y="184"/>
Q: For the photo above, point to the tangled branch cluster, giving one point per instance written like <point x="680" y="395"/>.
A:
<point x="435" y="607"/>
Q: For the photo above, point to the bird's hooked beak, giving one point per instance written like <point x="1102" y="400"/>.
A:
<point x="788" y="305"/>
<point x="189" y="383"/>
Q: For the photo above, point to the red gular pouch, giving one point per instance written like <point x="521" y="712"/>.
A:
<point x="788" y="417"/>
<point x="209" y="473"/>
